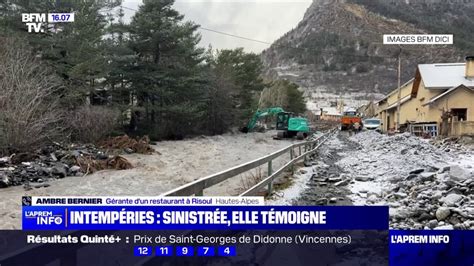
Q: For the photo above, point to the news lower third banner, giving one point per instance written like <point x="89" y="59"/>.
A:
<point x="97" y="214"/>
<point x="203" y="230"/>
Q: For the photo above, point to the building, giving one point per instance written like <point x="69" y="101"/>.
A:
<point x="368" y="110"/>
<point x="438" y="100"/>
<point x="330" y="114"/>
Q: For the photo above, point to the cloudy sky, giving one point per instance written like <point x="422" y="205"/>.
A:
<point x="264" y="20"/>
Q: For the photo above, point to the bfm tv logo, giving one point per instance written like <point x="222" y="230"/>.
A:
<point x="37" y="22"/>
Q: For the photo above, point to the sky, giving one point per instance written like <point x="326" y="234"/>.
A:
<point x="263" y="20"/>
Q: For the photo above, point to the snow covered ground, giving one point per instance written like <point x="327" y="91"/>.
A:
<point x="180" y="162"/>
<point x="426" y="186"/>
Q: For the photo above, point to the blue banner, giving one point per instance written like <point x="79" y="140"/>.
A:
<point x="204" y="217"/>
<point x="431" y="247"/>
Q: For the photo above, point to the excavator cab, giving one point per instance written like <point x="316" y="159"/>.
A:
<point x="283" y="119"/>
<point x="289" y="125"/>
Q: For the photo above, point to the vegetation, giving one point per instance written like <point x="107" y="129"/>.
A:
<point x="147" y="77"/>
<point x="30" y="114"/>
<point x="284" y="94"/>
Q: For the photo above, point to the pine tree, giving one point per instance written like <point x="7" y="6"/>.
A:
<point x="245" y="69"/>
<point x="75" y="50"/>
<point x="168" y="76"/>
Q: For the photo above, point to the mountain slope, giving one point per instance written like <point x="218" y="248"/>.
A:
<point x="336" y="51"/>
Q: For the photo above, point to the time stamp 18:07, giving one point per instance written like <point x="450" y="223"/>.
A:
<point x="36" y="22"/>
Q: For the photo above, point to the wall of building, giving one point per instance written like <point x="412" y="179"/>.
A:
<point x="460" y="98"/>
<point x="389" y="123"/>
<point x="461" y="128"/>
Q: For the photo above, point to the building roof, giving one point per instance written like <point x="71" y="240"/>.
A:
<point x="396" y="90"/>
<point x="331" y="111"/>
<point x="434" y="99"/>
<point x="444" y="76"/>
<point x="402" y="101"/>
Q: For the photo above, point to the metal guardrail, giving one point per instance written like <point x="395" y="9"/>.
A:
<point x="305" y="148"/>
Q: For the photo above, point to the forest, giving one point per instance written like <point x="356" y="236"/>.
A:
<point x="105" y="75"/>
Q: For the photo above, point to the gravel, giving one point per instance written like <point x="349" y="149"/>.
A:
<point x="419" y="180"/>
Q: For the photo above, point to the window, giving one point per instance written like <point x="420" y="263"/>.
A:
<point x="461" y="113"/>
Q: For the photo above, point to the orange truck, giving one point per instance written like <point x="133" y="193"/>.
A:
<point x="349" y="118"/>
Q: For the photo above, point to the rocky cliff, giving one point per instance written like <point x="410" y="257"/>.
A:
<point x="336" y="51"/>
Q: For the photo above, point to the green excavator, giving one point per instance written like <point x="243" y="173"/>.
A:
<point x="287" y="124"/>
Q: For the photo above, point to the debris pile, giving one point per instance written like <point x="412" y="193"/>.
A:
<point x="421" y="183"/>
<point x="35" y="169"/>
<point x="128" y="145"/>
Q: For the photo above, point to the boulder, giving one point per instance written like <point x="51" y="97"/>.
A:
<point x="451" y="200"/>
<point x="442" y="213"/>
<point x="4" y="180"/>
<point x="456" y="173"/>
<point x="427" y="176"/>
<point x="59" y="170"/>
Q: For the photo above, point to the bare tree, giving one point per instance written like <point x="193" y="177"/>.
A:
<point x="29" y="111"/>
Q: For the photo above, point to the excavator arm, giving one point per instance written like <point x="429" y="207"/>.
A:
<point x="262" y="113"/>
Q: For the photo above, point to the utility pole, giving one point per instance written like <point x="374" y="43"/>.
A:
<point x="397" y="125"/>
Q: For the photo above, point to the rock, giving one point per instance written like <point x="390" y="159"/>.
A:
<point x="399" y="213"/>
<point x="451" y="199"/>
<point x="53" y="157"/>
<point x="342" y="183"/>
<point x="454" y="220"/>
<point x="74" y="169"/>
<point x="444" y="169"/>
<point x="400" y="195"/>
<point x="456" y="173"/>
<point x="322" y="201"/>
<point x="362" y="178"/>
<point x="373" y="198"/>
<point x="4" y="180"/>
<point x="303" y="172"/>
<point x="102" y="156"/>
<point x="335" y="179"/>
<point x="427" y="176"/>
<point x="417" y="171"/>
<point x="128" y="150"/>
<point x="442" y="213"/>
<point x="425" y="216"/>
<point x="4" y="161"/>
<point x="332" y="200"/>
<point x="444" y="227"/>
<point x="411" y="176"/>
<point x="432" y="224"/>
<point x="59" y="170"/>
